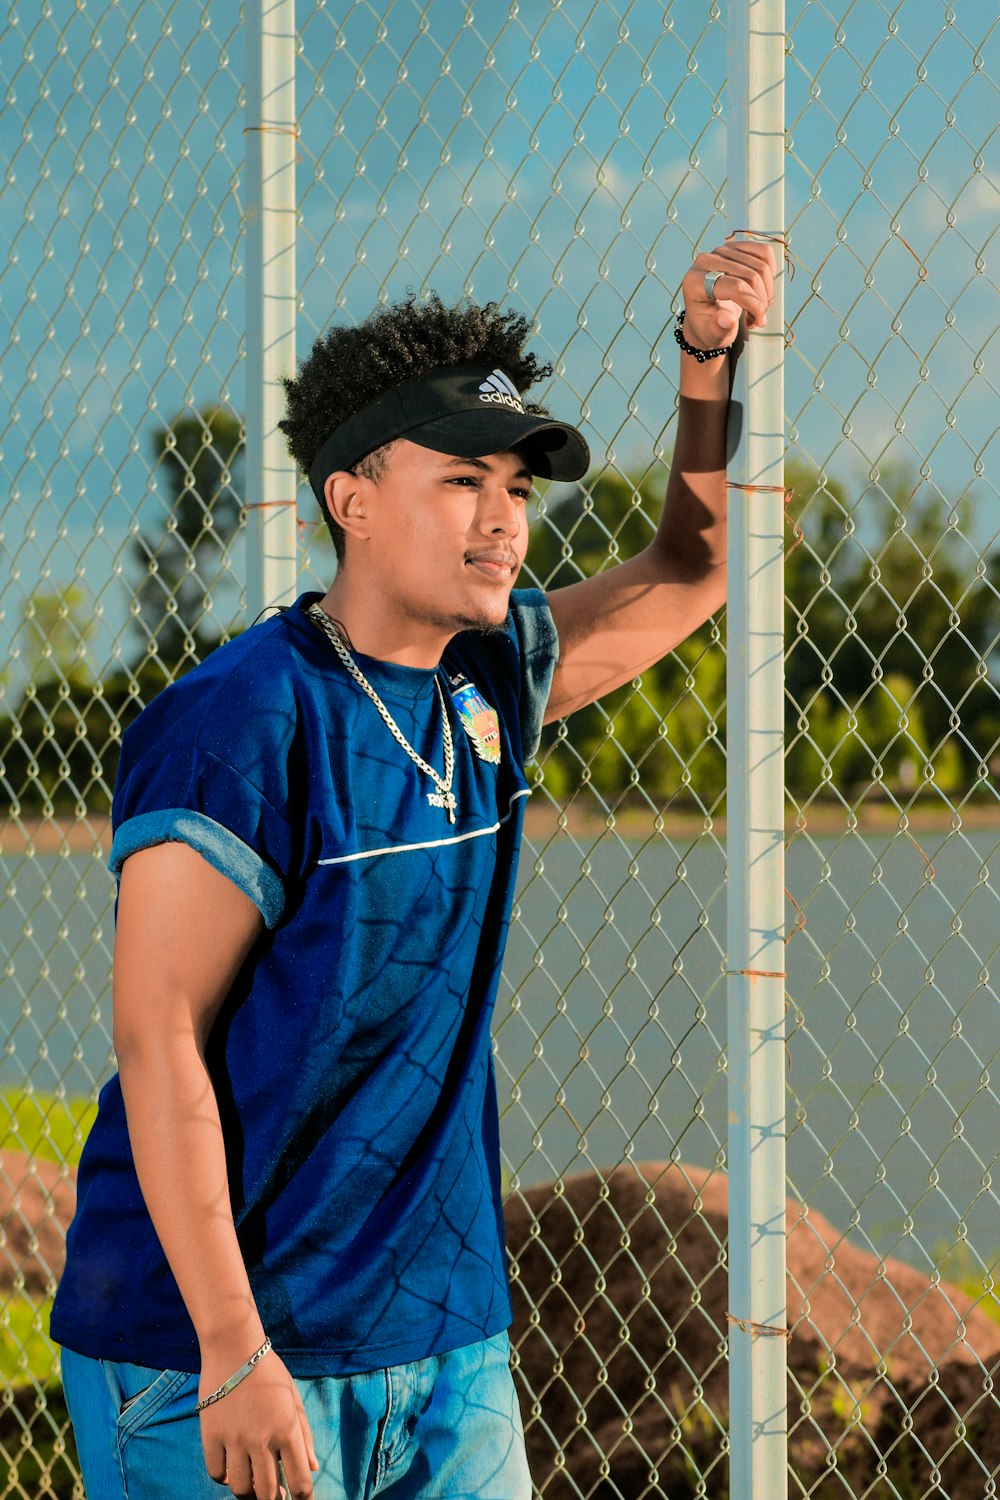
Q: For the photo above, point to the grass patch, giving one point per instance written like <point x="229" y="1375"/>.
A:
<point x="26" y="1353"/>
<point x="966" y="1271"/>
<point x="52" y="1128"/>
<point x="46" y="1126"/>
<point x="37" y="1452"/>
<point x="36" y="1443"/>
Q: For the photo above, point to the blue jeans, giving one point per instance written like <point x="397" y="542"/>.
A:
<point x="447" y="1427"/>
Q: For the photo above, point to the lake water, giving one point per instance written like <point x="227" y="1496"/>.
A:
<point x="611" y="1021"/>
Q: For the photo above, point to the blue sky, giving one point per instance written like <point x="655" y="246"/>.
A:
<point x="567" y="160"/>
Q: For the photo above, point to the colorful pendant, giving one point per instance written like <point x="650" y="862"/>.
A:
<point x="479" y="721"/>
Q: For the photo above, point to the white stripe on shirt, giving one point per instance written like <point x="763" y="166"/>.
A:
<point x="460" y="838"/>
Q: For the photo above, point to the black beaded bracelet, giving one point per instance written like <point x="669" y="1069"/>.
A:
<point x="699" y="354"/>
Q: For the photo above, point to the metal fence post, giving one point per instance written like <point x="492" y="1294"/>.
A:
<point x="270" y="133"/>
<point x="755" y="852"/>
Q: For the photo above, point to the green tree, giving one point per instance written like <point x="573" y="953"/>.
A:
<point x="59" y="747"/>
<point x="55" y="630"/>
<point x="892" y="641"/>
<point x="660" y="738"/>
<point x="893" y="636"/>
<point x="49" y="745"/>
<point x="199" y="468"/>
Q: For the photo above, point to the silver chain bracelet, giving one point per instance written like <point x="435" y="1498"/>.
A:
<point x="234" y="1380"/>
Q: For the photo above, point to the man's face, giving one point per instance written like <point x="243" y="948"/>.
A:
<point x="448" y="535"/>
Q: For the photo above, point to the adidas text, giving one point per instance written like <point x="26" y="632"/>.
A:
<point x="501" y="399"/>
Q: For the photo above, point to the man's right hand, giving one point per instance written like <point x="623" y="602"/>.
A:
<point x="260" y="1423"/>
<point x="183" y="933"/>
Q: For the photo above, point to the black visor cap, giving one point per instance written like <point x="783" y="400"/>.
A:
<point x="465" y="410"/>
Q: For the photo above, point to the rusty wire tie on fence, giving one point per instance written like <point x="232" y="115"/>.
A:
<point x="773" y="489"/>
<point x="800" y="920"/>
<point x="923" y="856"/>
<point x="761" y="489"/>
<point x="763" y="974"/>
<point x="922" y="272"/>
<point x="758" y="973"/>
<point x="773" y="237"/>
<point x="273" y="130"/>
<point x="300" y="521"/>
<point x="292" y="130"/>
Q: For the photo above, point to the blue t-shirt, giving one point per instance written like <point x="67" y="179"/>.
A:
<point x="352" y="1059"/>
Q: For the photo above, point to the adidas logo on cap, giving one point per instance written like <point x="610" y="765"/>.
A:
<point x="501" y="391"/>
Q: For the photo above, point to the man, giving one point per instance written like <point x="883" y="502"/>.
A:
<point x="288" y="1249"/>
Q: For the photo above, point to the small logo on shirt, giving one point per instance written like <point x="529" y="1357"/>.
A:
<point x="480" y="722"/>
<point x="500" y="390"/>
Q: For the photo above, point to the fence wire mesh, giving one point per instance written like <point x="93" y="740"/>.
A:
<point x="565" y="159"/>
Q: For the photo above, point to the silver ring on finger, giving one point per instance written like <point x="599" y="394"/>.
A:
<point x="711" y="277"/>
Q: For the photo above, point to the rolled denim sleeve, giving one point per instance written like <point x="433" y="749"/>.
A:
<point x="193" y="797"/>
<point x="538" y="650"/>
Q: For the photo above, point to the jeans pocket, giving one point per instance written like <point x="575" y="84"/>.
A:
<point x="142" y="1392"/>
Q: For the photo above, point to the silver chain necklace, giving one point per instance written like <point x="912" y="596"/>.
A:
<point x="444" y="796"/>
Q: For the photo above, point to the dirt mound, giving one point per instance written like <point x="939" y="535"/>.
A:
<point x="620" y="1336"/>
<point x="37" y="1200"/>
<point x="623" y="1372"/>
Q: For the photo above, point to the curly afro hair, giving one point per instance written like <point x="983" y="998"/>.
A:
<point x="350" y="367"/>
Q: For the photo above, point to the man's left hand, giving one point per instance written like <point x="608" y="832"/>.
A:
<point x="744" y="290"/>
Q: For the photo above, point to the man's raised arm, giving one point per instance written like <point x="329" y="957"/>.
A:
<point x="614" y="626"/>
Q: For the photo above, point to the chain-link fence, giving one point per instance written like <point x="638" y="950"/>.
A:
<point x="567" y="159"/>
